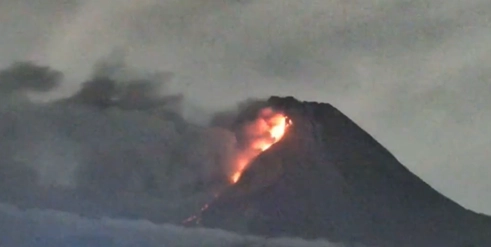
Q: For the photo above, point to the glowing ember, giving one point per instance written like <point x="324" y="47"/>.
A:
<point x="265" y="131"/>
<point x="241" y="165"/>
<point x="236" y="176"/>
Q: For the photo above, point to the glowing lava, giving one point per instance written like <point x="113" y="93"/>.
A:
<point x="266" y="130"/>
<point x="260" y="134"/>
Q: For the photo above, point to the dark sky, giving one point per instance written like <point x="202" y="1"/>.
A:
<point x="414" y="73"/>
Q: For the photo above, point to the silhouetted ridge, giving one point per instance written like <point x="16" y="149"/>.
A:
<point x="328" y="178"/>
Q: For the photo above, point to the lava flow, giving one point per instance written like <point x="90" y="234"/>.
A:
<point x="266" y="130"/>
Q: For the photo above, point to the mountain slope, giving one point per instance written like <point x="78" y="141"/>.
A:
<point x="328" y="178"/>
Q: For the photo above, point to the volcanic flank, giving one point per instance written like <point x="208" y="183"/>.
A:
<point x="327" y="178"/>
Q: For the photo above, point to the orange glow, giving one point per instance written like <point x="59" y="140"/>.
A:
<point x="236" y="176"/>
<point x="261" y="134"/>
<point x="265" y="131"/>
<point x="240" y="167"/>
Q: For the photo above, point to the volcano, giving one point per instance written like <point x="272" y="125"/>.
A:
<point x="328" y="178"/>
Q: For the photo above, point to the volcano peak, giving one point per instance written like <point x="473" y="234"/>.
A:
<point x="328" y="178"/>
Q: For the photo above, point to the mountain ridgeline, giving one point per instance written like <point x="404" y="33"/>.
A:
<point x="328" y="178"/>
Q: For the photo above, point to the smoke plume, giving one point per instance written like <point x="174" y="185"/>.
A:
<point x="120" y="135"/>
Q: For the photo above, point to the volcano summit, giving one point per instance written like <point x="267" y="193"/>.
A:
<point x="328" y="178"/>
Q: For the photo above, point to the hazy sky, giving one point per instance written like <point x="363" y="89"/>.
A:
<point x="414" y="73"/>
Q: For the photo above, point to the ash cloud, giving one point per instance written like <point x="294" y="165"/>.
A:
<point x="116" y="137"/>
<point x="118" y="149"/>
<point x="22" y="76"/>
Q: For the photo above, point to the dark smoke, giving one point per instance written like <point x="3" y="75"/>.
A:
<point x="113" y="84"/>
<point x="118" y="147"/>
<point x="28" y="76"/>
<point x="22" y="78"/>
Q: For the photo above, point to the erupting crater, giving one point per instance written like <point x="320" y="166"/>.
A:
<point x="267" y="129"/>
